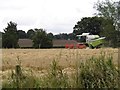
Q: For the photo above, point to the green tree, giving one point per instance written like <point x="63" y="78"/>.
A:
<point x="71" y="36"/>
<point x="64" y="36"/>
<point x="10" y="36"/>
<point x="110" y="10"/>
<point x="22" y="34"/>
<point x="108" y="30"/>
<point x="61" y="36"/>
<point x="88" y="25"/>
<point x="41" y="40"/>
<point x="50" y="35"/>
<point x="30" y="33"/>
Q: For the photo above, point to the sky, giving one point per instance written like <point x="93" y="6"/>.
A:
<point x="56" y="16"/>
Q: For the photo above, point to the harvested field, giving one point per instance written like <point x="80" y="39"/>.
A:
<point x="41" y="58"/>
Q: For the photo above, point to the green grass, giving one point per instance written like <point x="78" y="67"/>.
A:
<point x="96" y="72"/>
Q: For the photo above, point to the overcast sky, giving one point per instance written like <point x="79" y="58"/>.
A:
<point x="56" y="16"/>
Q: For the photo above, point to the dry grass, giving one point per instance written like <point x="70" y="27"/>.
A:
<point x="41" y="58"/>
<point x="43" y="67"/>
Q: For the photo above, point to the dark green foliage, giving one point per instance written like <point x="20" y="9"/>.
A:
<point x="61" y="36"/>
<point x="30" y="33"/>
<point x="108" y="30"/>
<point x="21" y="34"/>
<point x="88" y="25"/>
<point x="41" y="40"/>
<point x="50" y="36"/>
<point x="10" y="37"/>
<point x="110" y="10"/>
<point x="71" y="36"/>
<point x="65" y="36"/>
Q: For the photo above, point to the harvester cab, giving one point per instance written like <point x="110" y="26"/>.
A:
<point x="92" y="41"/>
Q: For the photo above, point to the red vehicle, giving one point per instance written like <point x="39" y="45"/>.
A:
<point x="67" y="46"/>
<point x="71" y="46"/>
<point x="80" y="46"/>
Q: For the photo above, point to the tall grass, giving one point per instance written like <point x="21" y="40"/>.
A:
<point x="96" y="72"/>
<point x="55" y="77"/>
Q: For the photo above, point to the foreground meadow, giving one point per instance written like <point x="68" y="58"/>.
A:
<point x="70" y="67"/>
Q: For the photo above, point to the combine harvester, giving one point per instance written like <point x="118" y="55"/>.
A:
<point x="91" y="41"/>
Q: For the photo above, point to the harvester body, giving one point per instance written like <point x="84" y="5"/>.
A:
<point x="92" y="41"/>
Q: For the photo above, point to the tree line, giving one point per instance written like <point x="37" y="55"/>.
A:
<point x="40" y="38"/>
<point x="11" y="36"/>
<point x="105" y="23"/>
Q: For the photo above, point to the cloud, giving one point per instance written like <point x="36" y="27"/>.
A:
<point x="54" y="15"/>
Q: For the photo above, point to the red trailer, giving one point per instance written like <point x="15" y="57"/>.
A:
<point x="79" y="46"/>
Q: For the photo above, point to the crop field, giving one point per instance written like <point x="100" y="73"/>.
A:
<point x="40" y="60"/>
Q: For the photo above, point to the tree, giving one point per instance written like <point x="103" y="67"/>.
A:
<point x="110" y="10"/>
<point x="61" y="36"/>
<point x="88" y="25"/>
<point x="30" y="33"/>
<point x="57" y="36"/>
<point x="71" y="36"/>
<point x="22" y="34"/>
<point x="10" y="36"/>
<point x="109" y="32"/>
<point x="41" y="40"/>
<point x="50" y="35"/>
<point x="64" y="36"/>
